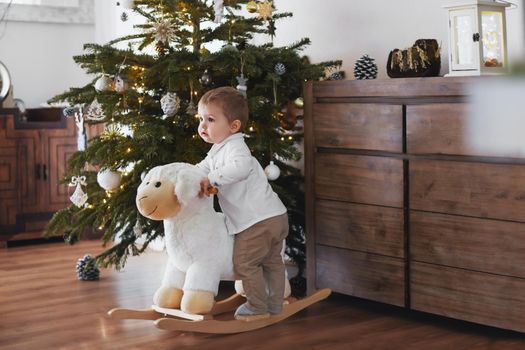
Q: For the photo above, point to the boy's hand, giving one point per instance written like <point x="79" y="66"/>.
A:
<point x="205" y="186"/>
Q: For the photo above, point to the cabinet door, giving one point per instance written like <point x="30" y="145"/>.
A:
<point x="55" y="167"/>
<point x="59" y="145"/>
<point x="29" y="170"/>
<point x="8" y="176"/>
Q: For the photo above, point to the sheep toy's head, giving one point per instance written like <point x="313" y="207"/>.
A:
<point x="167" y="189"/>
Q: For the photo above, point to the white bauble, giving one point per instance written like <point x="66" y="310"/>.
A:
<point x="272" y="171"/>
<point x="127" y="4"/>
<point x="108" y="180"/>
<point x="104" y="83"/>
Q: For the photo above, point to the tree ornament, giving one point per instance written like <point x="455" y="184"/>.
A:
<point x="242" y="84"/>
<point x="121" y="84"/>
<point x="218" y="8"/>
<point x="94" y="111"/>
<point x="124" y="17"/>
<point x="104" y="83"/>
<point x="279" y="68"/>
<point x="86" y="269"/>
<point x="163" y="31"/>
<point x="79" y="197"/>
<point x="365" y="68"/>
<point x="289" y="118"/>
<point x="271" y="27"/>
<point x="204" y="51"/>
<point x="229" y="47"/>
<point x="299" y="102"/>
<point x="340" y="75"/>
<point x="69" y="112"/>
<point x="170" y="104"/>
<point x="108" y="179"/>
<point x="127" y="4"/>
<point x="111" y="131"/>
<point x="241" y="45"/>
<point x="192" y="109"/>
<point x="265" y="10"/>
<point x="206" y="78"/>
<point x="251" y="7"/>
<point x="81" y="135"/>
<point x="272" y="171"/>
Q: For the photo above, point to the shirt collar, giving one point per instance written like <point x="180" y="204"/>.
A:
<point x="216" y="147"/>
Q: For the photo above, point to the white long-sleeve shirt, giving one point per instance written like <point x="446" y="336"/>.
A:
<point x="245" y="196"/>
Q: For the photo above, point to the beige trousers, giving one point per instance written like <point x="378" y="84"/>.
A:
<point x="258" y="262"/>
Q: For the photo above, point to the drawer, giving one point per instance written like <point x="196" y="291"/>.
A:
<point x="359" y="126"/>
<point x="453" y="128"/>
<point x="470" y="243"/>
<point x="494" y="191"/>
<point x="360" y="179"/>
<point x="360" y="227"/>
<point x="489" y="299"/>
<point x="438" y="129"/>
<point x="363" y="275"/>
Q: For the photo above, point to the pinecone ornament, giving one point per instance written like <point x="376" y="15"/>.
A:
<point x="340" y="75"/>
<point x="365" y="68"/>
<point x="280" y="68"/>
<point x="86" y="269"/>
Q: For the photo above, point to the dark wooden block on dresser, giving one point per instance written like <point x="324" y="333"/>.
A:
<point x="401" y="208"/>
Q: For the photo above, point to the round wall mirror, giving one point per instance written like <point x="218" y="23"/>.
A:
<point x="5" y="82"/>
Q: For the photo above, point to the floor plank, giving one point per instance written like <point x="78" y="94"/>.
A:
<point x="44" y="306"/>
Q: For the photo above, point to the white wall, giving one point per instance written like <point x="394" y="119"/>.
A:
<point x="39" y="57"/>
<point x="343" y="29"/>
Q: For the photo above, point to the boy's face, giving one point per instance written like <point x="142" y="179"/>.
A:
<point x="214" y="127"/>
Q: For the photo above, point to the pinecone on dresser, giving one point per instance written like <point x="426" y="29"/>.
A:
<point x="365" y="68"/>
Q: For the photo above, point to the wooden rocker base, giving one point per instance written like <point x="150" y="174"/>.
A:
<point x="155" y="312"/>
<point x="180" y="321"/>
<point x="217" y="326"/>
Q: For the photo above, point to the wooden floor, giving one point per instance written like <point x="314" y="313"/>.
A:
<point x="43" y="306"/>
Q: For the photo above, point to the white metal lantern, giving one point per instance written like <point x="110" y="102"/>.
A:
<point x="477" y="37"/>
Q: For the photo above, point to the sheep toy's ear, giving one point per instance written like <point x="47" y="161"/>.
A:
<point x="187" y="186"/>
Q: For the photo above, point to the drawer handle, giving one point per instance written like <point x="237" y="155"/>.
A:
<point x="45" y="172"/>
<point x="37" y="171"/>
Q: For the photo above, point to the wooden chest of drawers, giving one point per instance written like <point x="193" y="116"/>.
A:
<point x="401" y="208"/>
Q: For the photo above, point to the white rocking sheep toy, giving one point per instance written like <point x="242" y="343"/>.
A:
<point x="197" y="242"/>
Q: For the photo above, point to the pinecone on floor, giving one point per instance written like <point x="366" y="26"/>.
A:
<point x="365" y="68"/>
<point x="86" y="269"/>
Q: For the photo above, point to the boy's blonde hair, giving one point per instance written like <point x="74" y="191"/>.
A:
<point x="231" y="101"/>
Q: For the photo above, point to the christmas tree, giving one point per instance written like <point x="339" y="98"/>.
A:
<point x="147" y="101"/>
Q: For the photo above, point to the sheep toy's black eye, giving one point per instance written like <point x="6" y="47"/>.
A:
<point x="157" y="184"/>
<point x="147" y="183"/>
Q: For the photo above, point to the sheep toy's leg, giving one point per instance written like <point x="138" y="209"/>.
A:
<point x="200" y="289"/>
<point x="169" y="295"/>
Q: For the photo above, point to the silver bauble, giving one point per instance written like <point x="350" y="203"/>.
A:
<point x="170" y="104"/>
<point x="206" y="78"/>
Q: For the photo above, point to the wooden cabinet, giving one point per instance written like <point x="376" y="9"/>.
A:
<point x="32" y="164"/>
<point x="402" y="208"/>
